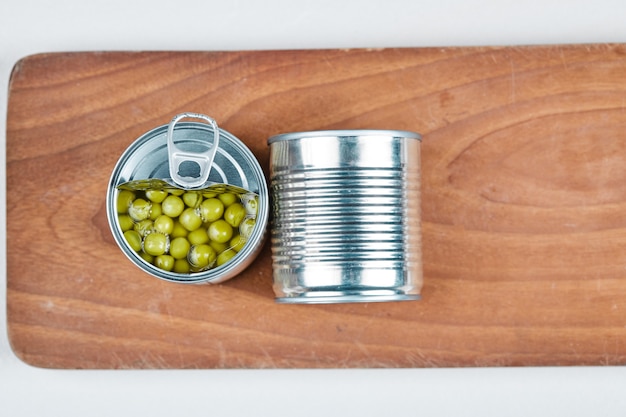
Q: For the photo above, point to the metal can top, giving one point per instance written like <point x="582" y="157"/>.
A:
<point x="148" y="157"/>
<point x="344" y="133"/>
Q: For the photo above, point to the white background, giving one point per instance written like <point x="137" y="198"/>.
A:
<point x="33" y="26"/>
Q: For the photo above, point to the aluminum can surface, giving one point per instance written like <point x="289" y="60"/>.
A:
<point x="346" y="214"/>
<point x="233" y="164"/>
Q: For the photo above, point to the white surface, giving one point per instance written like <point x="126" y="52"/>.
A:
<point x="32" y="26"/>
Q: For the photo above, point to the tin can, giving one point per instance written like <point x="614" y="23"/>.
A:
<point x="191" y="154"/>
<point x="346" y="216"/>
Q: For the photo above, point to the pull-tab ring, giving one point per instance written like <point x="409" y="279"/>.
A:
<point x="203" y="160"/>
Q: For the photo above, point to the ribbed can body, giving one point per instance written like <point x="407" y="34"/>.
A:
<point x="346" y="216"/>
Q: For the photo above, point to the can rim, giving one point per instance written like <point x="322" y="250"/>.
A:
<point x="313" y="298"/>
<point x="344" y="133"/>
<point x="218" y="274"/>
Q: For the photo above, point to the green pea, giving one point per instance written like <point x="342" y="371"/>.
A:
<point x="238" y="242"/>
<point x="164" y="262"/>
<point x="179" y="247"/>
<point x="246" y="227"/>
<point x="144" y="227"/>
<point x="192" y="199"/>
<point x="126" y="223"/>
<point x="211" y="209"/>
<point x="155" y="211"/>
<point x="156" y="196"/>
<point x="164" y="224"/>
<point x="133" y="239"/>
<point x="181" y="266"/>
<point x="234" y="214"/>
<point x="220" y="231"/>
<point x="251" y="204"/>
<point x="218" y="246"/>
<point x="227" y="198"/>
<point x="201" y="256"/>
<point x="198" y="236"/>
<point x="190" y="219"/>
<point x="139" y="209"/>
<point x="172" y="206"/>
<point x="146" y="257"/>
<point x="178" y="230"/>
<point x="155" y="244"/>
<point x="124" y="200"/>
<point x="225" y="256"/>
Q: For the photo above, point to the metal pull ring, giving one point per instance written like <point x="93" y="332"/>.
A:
<point x="203" y="160"/>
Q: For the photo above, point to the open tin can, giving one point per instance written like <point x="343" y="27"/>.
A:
<point x="346" y="217"/>
<point x="194" y="157"/>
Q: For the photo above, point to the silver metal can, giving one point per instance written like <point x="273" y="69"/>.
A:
<point x="346" y="216"/>
<point x="165" y="153"/>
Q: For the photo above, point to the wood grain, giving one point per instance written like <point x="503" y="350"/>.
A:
<point x="524" y="207"/>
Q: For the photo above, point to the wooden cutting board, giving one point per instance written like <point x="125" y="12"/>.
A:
<point x="524" y="207"/>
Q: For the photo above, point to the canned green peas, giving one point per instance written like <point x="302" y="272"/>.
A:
<point x="186" y="231"/>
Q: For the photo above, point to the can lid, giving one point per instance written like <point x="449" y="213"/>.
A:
<point x="345" y="133"/>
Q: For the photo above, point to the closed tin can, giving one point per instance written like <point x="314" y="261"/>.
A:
<point x="191" y="155"/>
<point x="346" y="216"/>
